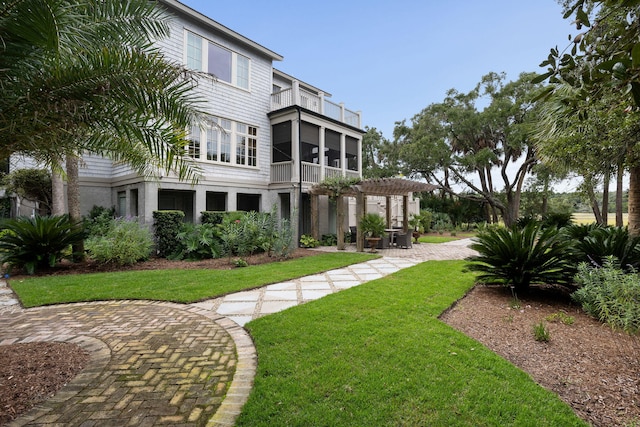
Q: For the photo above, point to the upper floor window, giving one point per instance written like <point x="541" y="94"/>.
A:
<point x="226" y="65"/>
<point x="224" y="141"/>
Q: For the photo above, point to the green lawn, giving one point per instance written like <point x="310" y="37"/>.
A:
<point x="443" y="238"/>
<point x="436" y="239"/>
<point x="377" y="355"/>
<point x="172" y="285"/>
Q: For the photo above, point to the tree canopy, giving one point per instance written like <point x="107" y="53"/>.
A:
<point x="597" y="79"/>
<point x="458" y="143"/>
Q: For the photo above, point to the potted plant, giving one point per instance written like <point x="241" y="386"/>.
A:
<point x="372" y="226"/>
<point x="419" y="224"/>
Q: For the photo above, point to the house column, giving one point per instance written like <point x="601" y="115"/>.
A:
<point x="149" y="201"/>
<point x="360" y="156"/>
<point x="321" y="156"/>
<point x="295" y="93"/>
<point x="295" y="150"/>
<point x="200" y="203"/>
<point x="315" y="217"/>
<point x="343" y="154"/>
<point x="321" y="106"/>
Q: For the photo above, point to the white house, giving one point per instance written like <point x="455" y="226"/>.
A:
<point x="271" y="136"/>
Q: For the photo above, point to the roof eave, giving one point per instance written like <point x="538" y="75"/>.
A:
<point x="194" y="14"/>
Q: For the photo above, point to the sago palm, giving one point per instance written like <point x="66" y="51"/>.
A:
<point x="522" y="257"/>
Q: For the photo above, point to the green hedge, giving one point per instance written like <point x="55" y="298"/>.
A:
<point x="167" y="225"/>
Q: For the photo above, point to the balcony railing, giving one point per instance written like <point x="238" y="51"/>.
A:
<point x="310" y="172"/>
<point x="316" y="103"/>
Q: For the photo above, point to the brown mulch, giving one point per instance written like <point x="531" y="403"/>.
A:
<point x="90" y="266"/>
<point x="593" y="368"/>
<point x="33" y="372"/>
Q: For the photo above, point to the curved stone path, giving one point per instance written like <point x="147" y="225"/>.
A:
<point x="155" y="363"/>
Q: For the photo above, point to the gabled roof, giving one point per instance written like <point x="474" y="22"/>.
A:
<point x="219" y="28"/>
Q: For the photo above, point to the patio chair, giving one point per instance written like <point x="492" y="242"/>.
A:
<point x="403" y="240"/>
<point x="353" y="238"/>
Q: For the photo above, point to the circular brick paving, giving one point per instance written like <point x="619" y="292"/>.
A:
<point x="152" y="363"/>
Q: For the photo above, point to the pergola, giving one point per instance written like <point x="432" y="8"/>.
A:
<point x="386" y="187"/>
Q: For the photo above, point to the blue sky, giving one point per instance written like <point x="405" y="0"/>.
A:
<point x="392" y="59"/>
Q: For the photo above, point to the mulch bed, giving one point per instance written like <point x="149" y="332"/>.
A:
<point x="593" y="368"/>
<point x="33" y="372"/>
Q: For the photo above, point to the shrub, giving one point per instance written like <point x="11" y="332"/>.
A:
<point x="603" y="242"/>
<point x="167" y="225"/>
<point x="610" y="295"/>
<point x="329" y="240"/>
<point x="195" y="242"/>
<point x="283" y="243"/>
<point x="259" y="230"/>
<point x="212" y="217"/>
<point x="307" y="241"/>
<point x="248" y="233"/>
<point x="99" y="220"/>
<point x="38" y="241"/>
<point x="125" y="243"/>
<point x="522" y="257"/>
<point x="557" y="219"/>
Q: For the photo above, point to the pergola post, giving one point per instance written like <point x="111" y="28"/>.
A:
<point x="340" y="222"/>
<point x="388" y="203"/>
<point x="360" y="201"/>
<point x="405" y="213"/>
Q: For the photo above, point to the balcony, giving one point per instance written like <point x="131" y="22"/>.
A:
<point x="311" y="173"/>
<point x="316" y="103"/>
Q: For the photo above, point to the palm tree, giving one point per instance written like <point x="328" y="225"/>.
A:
<point x="82" y="76"/>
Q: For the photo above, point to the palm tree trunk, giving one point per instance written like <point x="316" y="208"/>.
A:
<point x="634" y="201"/>
<point x="57" y="194"/>
<point x="73" y="198"/>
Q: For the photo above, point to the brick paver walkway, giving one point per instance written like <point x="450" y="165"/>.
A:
<point x="155" y="363"/>
<point x="152" y="363"/>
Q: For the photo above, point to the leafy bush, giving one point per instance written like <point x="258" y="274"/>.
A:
<point x="259" y="230"/>
<point x="212" y="217"/>
<point x="248" y="233"/>
<point x="167" y="225"/>
<point x="522" y="257"/>
<point x="603" y="242"/>
<point x="283" y="243"/>
<point x="557" y="219"/>
<point x="124" y="243"/>
<point x="196" y="242"/>
<point x="610" y="295"/>
<point x="329" y="240"/>
<point x="308" y="241"/>
<point x="99" y="220"/>
<point x="37" y="242"/>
